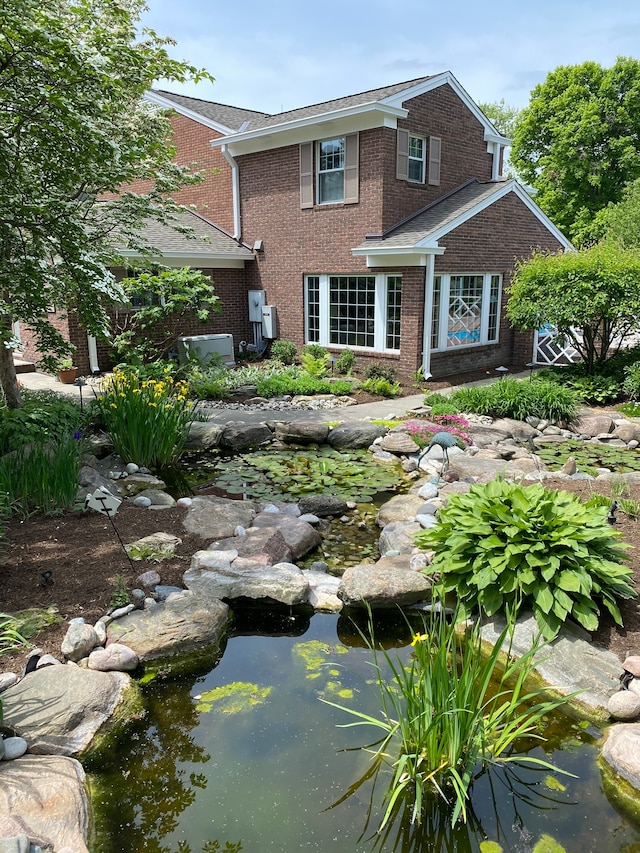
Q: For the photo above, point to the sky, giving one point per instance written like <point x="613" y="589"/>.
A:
<point x="285" y="54"/>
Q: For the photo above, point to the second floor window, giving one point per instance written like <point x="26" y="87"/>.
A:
<point x="331" y="171"/>
<point x="415" y="166"/>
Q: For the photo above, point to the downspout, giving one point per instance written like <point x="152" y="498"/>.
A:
<point x="92" y="346"/>
<point x="426" y="322"/>
<point x="495" y="166"/>
<point x="235" y="190"/>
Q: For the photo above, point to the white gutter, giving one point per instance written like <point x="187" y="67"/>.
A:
<point x="235" y="188"/>
<point x="92" y="346"/>
<point x="428" y="311"/>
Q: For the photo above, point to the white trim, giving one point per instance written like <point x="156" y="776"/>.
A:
<point x="168" y="104"/>
<point x="215" y="260"/>
<point x="406" y="256"/>
<point x="235" y="192"/>
<point x="426" y="318"/>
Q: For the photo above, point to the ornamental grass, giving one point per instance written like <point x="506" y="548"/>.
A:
<point x="148" y="419"/>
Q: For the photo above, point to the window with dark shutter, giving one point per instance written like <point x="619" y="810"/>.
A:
<point x="402" y="155"/>
<point x="351" y="179"/>
<point x="306" y="174"/>
<point x="435" y="145"/>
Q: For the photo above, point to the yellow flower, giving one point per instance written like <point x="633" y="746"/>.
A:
<point x="419" y="638"/>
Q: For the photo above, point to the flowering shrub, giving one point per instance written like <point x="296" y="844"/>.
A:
<point x="148" y="419"/>
<point x="423" y="431"/>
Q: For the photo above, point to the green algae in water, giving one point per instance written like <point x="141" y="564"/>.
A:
<point x="232" y="698"/>
<point x="316" y="657"/>
<point x="554" y="784"/>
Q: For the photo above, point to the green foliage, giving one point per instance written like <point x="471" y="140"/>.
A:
<point x="315" y="350"/>
<point x="441" y="405"/>
<point x="41" y="476"/>
<point x="120" y="594"/>
<point x="382" y="387"/>
<point x="631" y="384"/>
<point x="10" y="637"/>
<point x="74" y="126"/>
<point x="503" y="116"/>
<point x="589" y="456"/>
<point x="164" y="300"/>
<point x="504" y="545"/>
<point x="577" y="143"/>
<point x="315" y="365"/>
<point x="346" y="362"/>
<point x="620" y="223"/>
<point x="45" y="416"/>
<point x="284" y="352"/>
<point x="451" y="709"/>
<point x="276" y="386"/>
<point x="597" y="390"/>
<point x="379" y="370"/>
<point x="148" y="419"/>
<point x="519" y="399"/>
<point x="591" y="297"/>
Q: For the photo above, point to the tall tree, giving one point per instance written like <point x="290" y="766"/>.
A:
<point x="578" y="141"/>
<point x="74" y="129"/>
<point x="502" y="115"/>
<point x="620" y="223"/>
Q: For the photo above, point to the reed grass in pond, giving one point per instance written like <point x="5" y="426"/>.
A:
<point x="284" y="775"/>
<point x="291" y="474"/>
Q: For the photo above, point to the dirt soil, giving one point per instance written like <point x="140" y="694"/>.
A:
<point x="87" y="563"/>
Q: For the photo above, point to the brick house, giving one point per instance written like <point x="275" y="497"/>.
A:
<point x="378" y="222"/>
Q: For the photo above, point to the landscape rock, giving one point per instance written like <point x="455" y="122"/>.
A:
<point x="14" y="747"/>
<point x="58" y="710"/>
<point x="136" y="483"/>
<point x="324" y="506"/>
<point x="159" y="546"/>
<point x="592" y="425"/>
<point x="624" y="705"/>
<point x="158" y="498"/>
<point x="79" y="640"/>
<point x="399" y="443"/>
<point x="399" y="536"/>
<point x="238" y="436"/>
<point x="383" y="587"/>
<point x="211" y="517"/>
<point x="355" y="436"/>
<point x="323" y="591"/>
<point x="203" y="435"/>
<point x="302" y="432"/>
<point x="399" y="508"/>
<point x="621" y="751"/>
<point x="267" y="541"/>
<point x="44" y="798"/>
<point x="283" y="582"/>
<point x="185" y="621"/>
<point x="299" y="536"/>
<point x="115" y="657"/>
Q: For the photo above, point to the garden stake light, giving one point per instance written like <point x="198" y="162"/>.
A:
<point x="104" y="502"/>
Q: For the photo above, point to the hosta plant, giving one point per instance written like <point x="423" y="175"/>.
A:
<point x="507" y="545"/>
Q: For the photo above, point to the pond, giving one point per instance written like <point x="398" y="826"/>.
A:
<point x="264" y="765"/>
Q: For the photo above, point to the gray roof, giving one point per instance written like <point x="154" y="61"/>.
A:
<point x="436" y="216"/>
<point x="205" y="241"/>
<point x="234" y="118"/>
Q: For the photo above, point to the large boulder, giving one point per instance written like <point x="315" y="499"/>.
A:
<point x="382" y="586"/>
<point x="58" y="710"/>
<point x="299" y="535"/>
<point x="43" y="797"/>
<point x="211" y="517"/>
<point x="398" y="536"/>
<point x="399" y="508"/>
<point x="355" y="436"/>
<point x="203" y="435"/>
<point x="267" y="542"/>
<point x="283" y="582"/>
<point x="240" y="436"/>
<point x="185" y="621"/>
<point x="323" y="506"/>
<point x="302" y="432"/>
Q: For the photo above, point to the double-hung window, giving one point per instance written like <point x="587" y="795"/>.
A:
<point x="415" y="165"/>
<point x="354" y="310"/>
<point x="466" y="310"/>
<point x="331" y="171"/>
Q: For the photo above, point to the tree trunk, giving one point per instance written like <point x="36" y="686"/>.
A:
<point x="9" y="379"/>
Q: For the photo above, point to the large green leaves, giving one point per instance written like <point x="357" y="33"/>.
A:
<point x="504" y="544"/>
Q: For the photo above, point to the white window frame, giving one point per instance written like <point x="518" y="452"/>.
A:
<point x="321" y="284"/>
<point x="411" y="158"/>
<point x="440" y="341"/>
<point x="320" y="171"/>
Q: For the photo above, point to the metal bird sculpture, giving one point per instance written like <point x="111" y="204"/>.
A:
<point x="445" y="440"/>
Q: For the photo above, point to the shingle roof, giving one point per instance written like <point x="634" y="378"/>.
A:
<point x="436" y="217"/>
<point x="233" y="118"/>
<point x="207" y="240"/>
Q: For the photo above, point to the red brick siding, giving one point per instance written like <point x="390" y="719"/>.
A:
<point x="30" y="352"/>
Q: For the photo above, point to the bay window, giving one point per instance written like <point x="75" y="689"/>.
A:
<point x="466" y="310"/>
<point x="360" y="311"/>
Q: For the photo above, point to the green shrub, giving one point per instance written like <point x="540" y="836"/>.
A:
<point x="304" y="384"/>
<point x="519" y="399"/>
<point x="45" y="416"/>
<point x="207" y="384"/>
<point x="448" y="710"/>
<point x="631" y="384"/>
<point x="315" y="350"/>
<point x="598" y="389"/>
<point x="284" y="352"/>
<point x="148" y="419"/>
<point x="378" y="370"/>
<point x="316" y="366"/>
<point x="382" y="387"/>
<point x="506" y="545"/>
<point x="346" y="362"/>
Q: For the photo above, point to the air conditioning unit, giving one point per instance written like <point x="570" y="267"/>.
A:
<point x="203" y="347"/>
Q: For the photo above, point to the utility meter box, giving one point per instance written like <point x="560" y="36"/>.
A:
<point x="269" y="322"/>
<point x="257" y="299"/>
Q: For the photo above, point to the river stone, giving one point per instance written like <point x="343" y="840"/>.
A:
<point x="399" y="443"/>
<point x="211" y="517"/>
<point x="520" y="430"/>
<point x="59" y="709"/>
<point x="44" y="797"/>
<point x="484" y="435"/>
<point x="268" y="541"/>
<point x="323" y="506"/>
<point x="398" y="536"/>
<point x="621" y="751"/>
<point x="158" y="499"/>
<point x="151" y="578"/>
<point x="302" y="432"/>
<point x="7" y="679"/>
<point x="14" y="747"/>
<point x="382" y="587"/>
<point x="183" y="622"/>
<point x="203" y="435"/>
<point x="79" y="640"/>
<point x="299" y="536"/>
<point x="632" y="664"/>
<point x="355" y="436"/>
<point x="627" y="431"/>
<point x="323" y="591"/>
<point x="116" y="657"/>
<point x="239" y="436"/>
<point x="283" y="582"/>
<point x="624" y="706"/>
<point x="568" y="663"/>
<point x="399" y="508"/>
<point x="427" y="491"/>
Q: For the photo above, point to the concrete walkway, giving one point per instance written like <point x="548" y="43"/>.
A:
<point x="381" y="409"/>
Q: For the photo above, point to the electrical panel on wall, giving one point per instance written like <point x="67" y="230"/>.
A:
<point x="257" y="299"/>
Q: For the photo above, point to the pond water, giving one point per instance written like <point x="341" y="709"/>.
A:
<point x="267" y="766"/>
